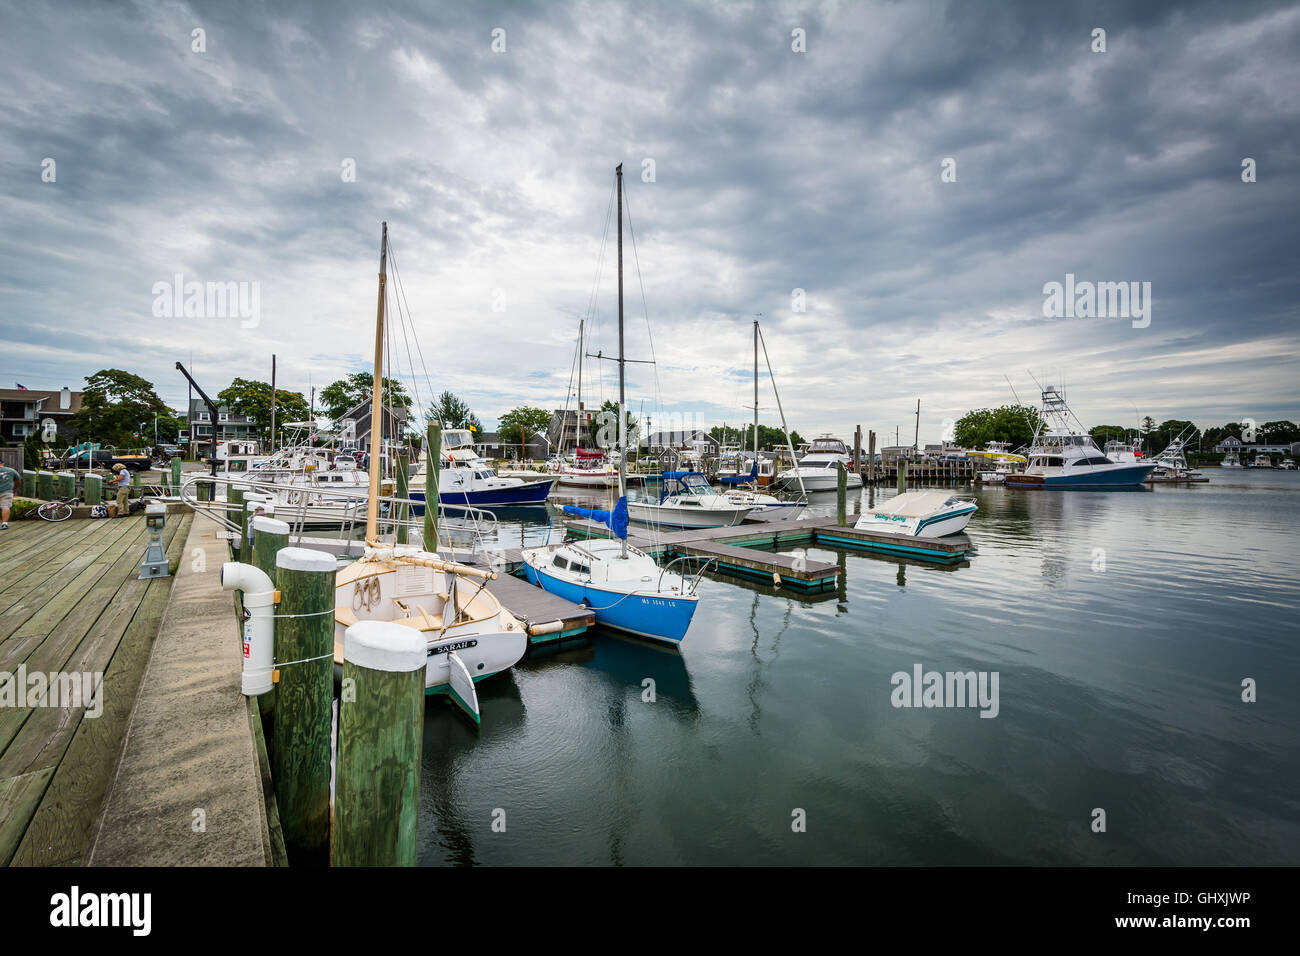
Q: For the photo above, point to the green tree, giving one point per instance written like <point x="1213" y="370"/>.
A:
<point x="113" y="404"/>
<point x="252" y="398"/>
<point x="453" y="412"/>
<point x="1104" y="433"/>
<point x="770" y="437"/>
<point x="1279" y="433"/>
<point x="342" y="396"/>
<point x="1014" y="424"/>
<point x="519" y="424"/>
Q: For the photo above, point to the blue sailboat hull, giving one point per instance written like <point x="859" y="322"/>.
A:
<point x="656" y="618"/>
<point x="530" y="493"/>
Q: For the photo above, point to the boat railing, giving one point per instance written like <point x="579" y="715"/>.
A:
<point x="694" y="582"/>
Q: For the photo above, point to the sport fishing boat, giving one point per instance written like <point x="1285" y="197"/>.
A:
<point x="465" y="478"/>
<point x="687" y="500"/>
<point x="469" y="635"/>
<point x="1063" y="454"/>
<point x="925" y="514"/>
<point x="1171" y="464"/>
<point x="622" y="585"/>
<point x="1003" y="462"/>
<point x="816" y="471"/>
<point x="1232" y="460"/>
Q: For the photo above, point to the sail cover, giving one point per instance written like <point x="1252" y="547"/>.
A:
<point x="615" y="520"/>
<point x="742" y="479"/>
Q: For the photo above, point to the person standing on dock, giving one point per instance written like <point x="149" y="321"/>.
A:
<point x="122" y="483"/>
<point x="7" y="478"/>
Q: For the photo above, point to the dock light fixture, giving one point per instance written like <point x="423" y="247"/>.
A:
<point x="155" y="555"/>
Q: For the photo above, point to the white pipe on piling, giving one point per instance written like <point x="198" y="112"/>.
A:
<point x="259" y="628"/>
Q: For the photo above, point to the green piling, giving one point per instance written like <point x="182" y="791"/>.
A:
<point x="45" y="485"/>
<point x="234" y="511"/>
<point x="67" y="484"/>
<point x="300" y="759"/>
<point x="403" y="486"/>
<point x="270" y="537"/>
<point x="841" y="494"/>
<point x="381" y="737"/>
<point x="433" y="444"/>
<point x="94" y="489"/>
<point x="902" y="475"/>
<point x="29" y="484"/>
<point x="176" y="474"/>
<point x="203" y="489"/>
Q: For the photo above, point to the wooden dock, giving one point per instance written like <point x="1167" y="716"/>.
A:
<point x="70" y="601"/>
<point x="548" y="617"/>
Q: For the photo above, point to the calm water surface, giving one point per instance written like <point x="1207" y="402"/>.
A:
<point x="1119" y="689"/>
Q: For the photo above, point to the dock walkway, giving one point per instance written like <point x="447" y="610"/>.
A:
<point x="70" y="602"/>
<point x="189" y="787"/>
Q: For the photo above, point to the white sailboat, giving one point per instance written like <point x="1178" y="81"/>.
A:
<point x="469" y="635"/>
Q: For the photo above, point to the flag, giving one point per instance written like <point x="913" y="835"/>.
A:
<point x="23" y="387"/>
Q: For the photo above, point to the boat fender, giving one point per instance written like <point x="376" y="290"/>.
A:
<point x="776" y="578"/>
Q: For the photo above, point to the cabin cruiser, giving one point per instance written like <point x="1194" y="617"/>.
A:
<point x="1287" y="464"/>
<point x="743" y="490"/>
<point x="924" y="514"/>
<point x="464" y="478"/>
<point x="687" y="501"/>
<point x="1262" y="461"/>
<point x="1063" y="454"/>
<point x="1232" y="460"/>
<point x="816" y="471"/>
<point x="589" y="469"/>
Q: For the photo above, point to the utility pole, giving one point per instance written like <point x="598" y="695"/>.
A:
<point x="916" y="438"/>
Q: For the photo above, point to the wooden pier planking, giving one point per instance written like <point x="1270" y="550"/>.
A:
<point x="537" y="608"/>
<point x="54" y="765"/>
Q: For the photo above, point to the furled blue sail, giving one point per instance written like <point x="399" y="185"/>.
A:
<point x="742" y="479"/>
<point x="615" y="520"/>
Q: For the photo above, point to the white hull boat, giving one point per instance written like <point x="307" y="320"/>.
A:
<point x="924" y="514"/>
<point x="817" y="469"/>
<point x="687" y="501"/>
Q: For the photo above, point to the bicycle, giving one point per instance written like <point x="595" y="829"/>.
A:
<point x="60" y="509"/>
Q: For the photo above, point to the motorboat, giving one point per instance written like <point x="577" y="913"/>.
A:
<point x="687" y="500"/>
<point x="1262" y="461"/>
<point x="924" y="514"/>
<point x="589" y="469"/>
<point x="1231" y="460"/>
<point x="1063" y="454"/>
<point x="465" y="478"/>
<point x="816" y="471"/>
<point x="743" y="490"/>
<point x="1287" y="464"/>
<point x="1171" y="464"/>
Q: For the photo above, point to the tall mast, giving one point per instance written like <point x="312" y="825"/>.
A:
<point x="577" y="419"/>
<point x="755" y="398"/>
<point x="622" y="414"/>
<point x="916" y="437"/>
<point x="376" y="398"/>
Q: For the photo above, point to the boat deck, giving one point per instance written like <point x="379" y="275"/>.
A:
<point x="71" y="601"/>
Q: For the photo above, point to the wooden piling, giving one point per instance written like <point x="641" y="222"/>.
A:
<point x="270" y="537"/>
<point x="857" y="449"/>
<point x="234" y="508"/>
<point x="67" y="484"/>
<point x="381" y="737"/>
<point x="29" y="484"/>
<point x="433" y="444"/>
<point x="94" y="489"/>
<point x="304" y="654"/>
<point x="45" y="485"/>
<point x="176" y="475"/>
<point x="841" y="493"/>
<point x="402" y="465"/>
<point x="203" y="491"/>
<point x="871" y="455"/>
<point x="902" y="475"/>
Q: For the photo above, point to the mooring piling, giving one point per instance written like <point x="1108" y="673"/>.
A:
<point x="45" y="485"/>
<point x="841" y="493"/>
<point x="403" y="483"/>
<point x="93" y="489"/>
<point x="304" y="654"/>
<point x="902" y="475"/>
<point x="381" y="736"/>
<point x="433" y="451"/>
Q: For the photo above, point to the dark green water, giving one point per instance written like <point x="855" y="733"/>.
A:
<point x="1119" y="689"/>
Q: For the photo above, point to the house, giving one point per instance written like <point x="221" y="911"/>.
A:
<point x="24" y="411"/>
<point x="1246" y="451"/>
<point x="490" y="445"/>
<point x="354" y="426"/>
<point x="686" y="439"/>
<point x="230" y="427"/>
<point x="562" y="432"/>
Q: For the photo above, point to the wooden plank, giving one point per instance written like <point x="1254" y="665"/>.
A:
<point x="21" y="546"/>
<point x="27" y="623"/>
<point x="763" y="563"/>
<point x="536" y="607"/>
<point x="18" y="799"/>
<point x="40" y="563"/>
<point x="62" y="826"/>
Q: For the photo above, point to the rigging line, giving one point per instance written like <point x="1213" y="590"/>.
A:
<point x="418" y="348"/>
<point x="404" y="312"/>
<point x="644" y="305"/>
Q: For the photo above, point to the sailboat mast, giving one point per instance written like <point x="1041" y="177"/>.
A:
<point x="577" y="418"/>
<point x="622" y="414"/>
<point x="756" y="393"/>
<point x="376" y="398"/>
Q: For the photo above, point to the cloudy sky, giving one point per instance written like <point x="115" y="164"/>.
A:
<point x="753" y="169"/>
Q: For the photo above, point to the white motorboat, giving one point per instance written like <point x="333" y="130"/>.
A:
<point x="1171" y="464"/>
<point x="924" y="514"/>
<point x="1063" y="454"/>
<point x="687" y="501"/>
<point x="816" y="471"/>
<point x="1287" y="464"/>
<point x="1262" y="461"/>
<point x="1232" y="460"/>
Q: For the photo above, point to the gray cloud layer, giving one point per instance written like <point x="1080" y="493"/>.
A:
<point x="775" y="170"/>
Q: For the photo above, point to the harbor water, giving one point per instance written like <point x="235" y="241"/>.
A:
<point x="1121" y="627"/>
